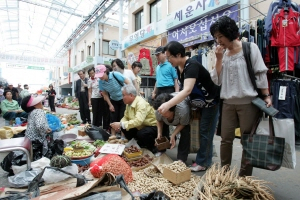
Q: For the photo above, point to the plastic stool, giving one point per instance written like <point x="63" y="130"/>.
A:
<point x="13" y="144"/>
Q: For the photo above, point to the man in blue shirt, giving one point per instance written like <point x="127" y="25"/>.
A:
<point x="166" y="76"/>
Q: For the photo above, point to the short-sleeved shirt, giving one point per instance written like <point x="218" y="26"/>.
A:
<point x="94" y="84"/>
<point x="193" y="69"/>
<point x="112" y="86"/>
<point x="165" y="75"/>
<point x="181" y="116"/>
<point x="129" y="75"/>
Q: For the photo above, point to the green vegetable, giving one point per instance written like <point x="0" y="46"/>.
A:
<point x="83" y="144"/>
<point x="99" y="143"/>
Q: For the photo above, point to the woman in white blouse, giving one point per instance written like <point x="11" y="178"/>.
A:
<point x="237" y="90"/>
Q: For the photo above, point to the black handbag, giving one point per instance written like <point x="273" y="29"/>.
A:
<point x="263" y="151"/>
<point x="96" y="133"/>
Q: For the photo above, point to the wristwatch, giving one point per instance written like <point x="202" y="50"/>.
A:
<point x="266" y="95"/>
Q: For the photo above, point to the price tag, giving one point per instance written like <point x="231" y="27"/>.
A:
<point x="282" y="93"/>
<point x="284" y="23"/>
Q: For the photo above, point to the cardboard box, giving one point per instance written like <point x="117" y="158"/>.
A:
<point x="177" y="177"/>
<point x="81" y="133"/>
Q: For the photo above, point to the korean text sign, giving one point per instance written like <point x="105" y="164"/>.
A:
<point x="197" y="31"/>
<point x="196" y="8"/>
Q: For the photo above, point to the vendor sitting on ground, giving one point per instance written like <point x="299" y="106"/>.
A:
<point x="10" y="108"/>
<point x="178" y="116"/>
<point x="139" y="119"/>
<point x="37" y="124"/>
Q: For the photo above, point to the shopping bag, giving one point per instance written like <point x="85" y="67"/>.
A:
<point x="195" y="134"/>
<point x="263" y="151"/>
<point x="283" y="128"/>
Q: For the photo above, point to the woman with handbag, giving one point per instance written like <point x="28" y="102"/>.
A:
<point x="237" y="90"/>
<point x="195" y="82"/>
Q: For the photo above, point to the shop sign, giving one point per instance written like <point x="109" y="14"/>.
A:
<point x="114" y="44"/>
<point x="140" y="35"/>
<point x="36" y="68"/>
<point x="197" y="31"/>
<point x="194" y="9"/>
<point x="89" y="59"/>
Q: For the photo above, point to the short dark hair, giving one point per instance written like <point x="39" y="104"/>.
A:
<point x="118" y="62"/>
<point x="81" y="71"/>
<point x="91" y="69"/>
<point x="6" y="91"/>
<point x="226" y="26"/>
<point x="25" y="85"/>
<point x="162" y="98"/>
<point x="24" y="104"/>
<point x="175" y="48"/>
<point x="136" y="64"/>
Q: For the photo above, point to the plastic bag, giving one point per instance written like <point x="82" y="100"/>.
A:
<point x="55" y="148"/>
<point x="113" y="164"/>
<point x="96" y="133"/>
<point x="23" y="179"/>
<point x="284" y="128"/>
<point x="53" y="176"/>
<point x="35" y="165"/>
<point x="53" y="122"/>
<point x="13" y="158"/>
<point x="155" y="195"/>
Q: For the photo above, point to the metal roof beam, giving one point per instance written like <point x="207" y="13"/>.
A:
<point x="52" y="8"/>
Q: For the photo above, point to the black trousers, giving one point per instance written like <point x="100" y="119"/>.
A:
<point x="145" y="137"/>
<point x="168" y="90"/>
<point x="119" y="110"/>
<point x="97" y="109"/>
<point x="84" y="108"/>
<point x="184" y="143"/>
<point x="51" y="103"/>
<point x="106" y="116"/>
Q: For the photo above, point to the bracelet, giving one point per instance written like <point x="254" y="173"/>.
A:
<point x="266" y="95"/>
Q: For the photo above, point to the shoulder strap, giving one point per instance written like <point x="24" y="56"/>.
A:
<point x="117" y="79"/>
<point x="247" y="53"/>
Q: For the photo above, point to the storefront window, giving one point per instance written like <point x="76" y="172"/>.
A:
<point x="106" y="49"/>
<point x="155" y="11"/>
<point x="139" y="20"/>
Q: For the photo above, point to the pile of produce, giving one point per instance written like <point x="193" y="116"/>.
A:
<point x="78" y="154"/>
<point x="99" y="143"/>
<point x="221" y="183"/>
<point x="70" y="119"/>
<point x="140" y="162"/>
<point x="146" y="184"/>
<point x="114" y="140"/>
<point x="113" y="164"/>
<point x="176" y="166"/>
<point x="132" y="149"/>
<point x="60" y="161"/>
<point x="84" y="144"/>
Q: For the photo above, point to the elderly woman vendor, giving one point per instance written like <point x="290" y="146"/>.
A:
<point x="10" y="108"/>
<point x="37" y="126"/>
<point x="179" y="116"/>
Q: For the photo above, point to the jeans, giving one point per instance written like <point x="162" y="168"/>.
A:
<point x="208" y="123"/>
<point x="13" y="115"/>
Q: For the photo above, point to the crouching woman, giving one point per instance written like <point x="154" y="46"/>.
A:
<point x="179" y="116"/>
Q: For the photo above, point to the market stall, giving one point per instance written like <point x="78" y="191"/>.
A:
<point x="114" y="167"/>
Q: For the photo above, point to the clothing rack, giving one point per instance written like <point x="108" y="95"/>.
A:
<point x="289" y="76"/>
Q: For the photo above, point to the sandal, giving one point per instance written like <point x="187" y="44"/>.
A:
<point x="198" y="168"/>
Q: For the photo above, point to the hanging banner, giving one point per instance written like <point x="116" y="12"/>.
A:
<point x="197" y="31"/>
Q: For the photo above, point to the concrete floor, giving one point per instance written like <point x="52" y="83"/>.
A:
<point x="285" y="183"/>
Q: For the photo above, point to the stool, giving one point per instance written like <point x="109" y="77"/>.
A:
<point x="22" y="144"/>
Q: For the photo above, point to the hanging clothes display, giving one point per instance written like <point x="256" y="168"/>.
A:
<point x="284" y="33"/>
<point x="145" y="59"/>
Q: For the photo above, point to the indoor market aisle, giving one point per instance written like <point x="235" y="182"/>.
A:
<point x="285" y="183"/>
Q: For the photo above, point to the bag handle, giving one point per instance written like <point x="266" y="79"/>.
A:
<point x="271" y="130"/>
